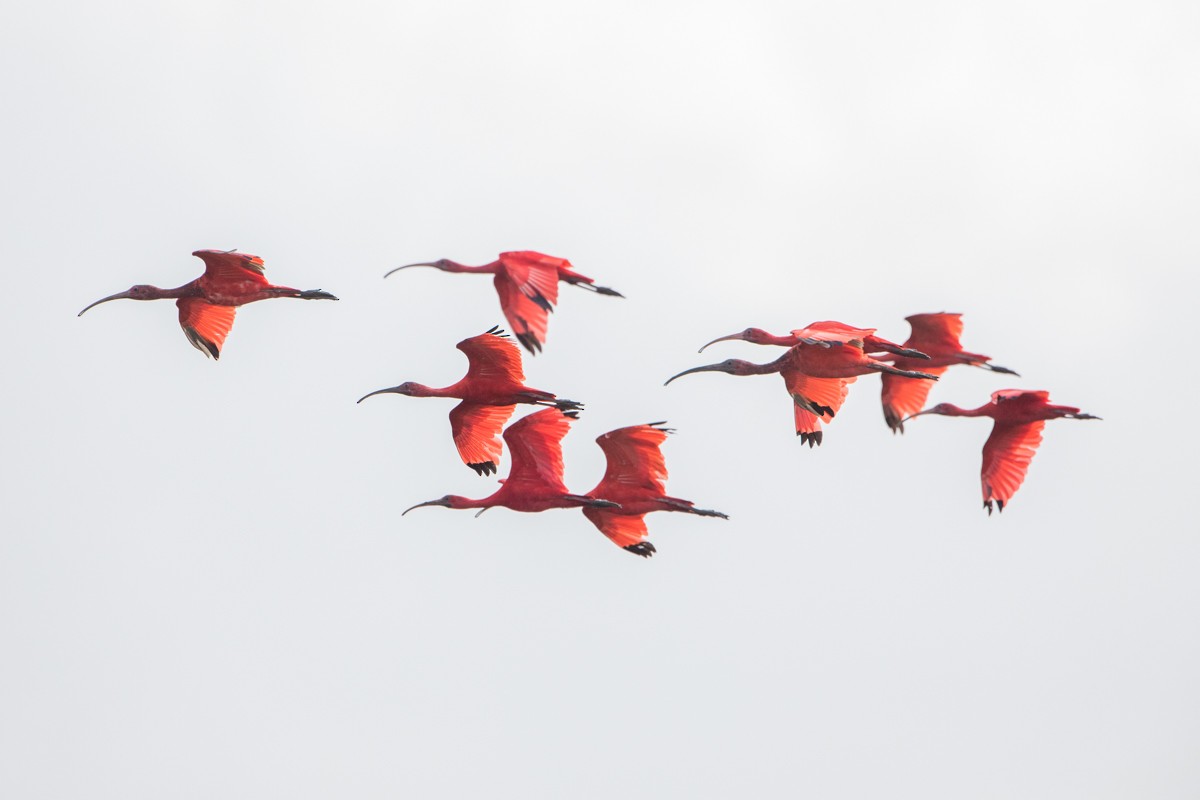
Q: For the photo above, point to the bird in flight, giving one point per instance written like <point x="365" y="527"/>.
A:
<point x="1019" y="417"/>
<point x="938" y="336"/>
<point x="490" y="391"/>
<point x="636" y="478"/>
<point x="207" y="304"/>
<point x="535" y="481"/>
<point x="527" y="283"/>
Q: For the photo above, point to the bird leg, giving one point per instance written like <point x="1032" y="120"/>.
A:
<point x="591" y="287"/>
<point x="998" y="368"/>
<point x="590" y="502"/>
<point x="1083" y="416"/>
<point x="315" y="294"/>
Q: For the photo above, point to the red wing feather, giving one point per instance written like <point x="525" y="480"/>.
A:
<point x="634" y="460"/>
<point x="827" y="392"/>
<point x="493" y="358"/>
<point x="1008" y="395"/>
<point x="205" y="325"/>
<point x="476" y="430"/>
<point x="624" y="530"/>
<point x="223" y="266"/>
<point x="535" y="275"/>
<point x="527" y="319"/>
<point x="1006" y="457"/>
<point x="938" y="333"/>
<point x="903" y="397"/>
<point x="534" y="441"/>
<point x="831" y="331"/>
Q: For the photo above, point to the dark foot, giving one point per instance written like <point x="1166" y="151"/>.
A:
<point x="998" y="368"/>
<point x="1083" y="416"/>
<point x="568" y="405"/>
<point x="707" y="512"/>
<point x="315" y="294"/>
<point x="643" y="549"/>
<point x="609" y="292"/>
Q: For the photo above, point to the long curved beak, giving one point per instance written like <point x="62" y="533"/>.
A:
<point x="914" y="416"/>
<point x="728" y="338"/>
<point x="406" y="266"/>
<point x="117" y="296"/>
<point x="422" y="505"/>
<point x="390" y="390"/>
<point x="706" y="368"/>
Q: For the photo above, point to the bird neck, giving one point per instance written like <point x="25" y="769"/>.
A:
<point x="454" y="266"/>
<point x="951" y="410"/>
<point x="457" y="501"/>
<point x="191" y="289"/>
<point x="421" y="390"/>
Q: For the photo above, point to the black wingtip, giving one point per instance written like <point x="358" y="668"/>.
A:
<point x="484" y="467"/>
<point x="530" y="343"/>
<point x="643" y="549"/>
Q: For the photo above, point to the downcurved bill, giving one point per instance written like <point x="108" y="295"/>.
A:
<point x="406" y="266"/>
<point x="729" y="338"/>
<point x="389" y="390"/>
<point x="706" y="368"/>
<point x="914" y="416"/>
<point x="117" y="296"/>
<point x="429" y="503"/>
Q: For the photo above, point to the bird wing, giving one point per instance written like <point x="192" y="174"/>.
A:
<point x="205" y="325"/>
<point x="829" y="393"/>
<point x="1008" y="395"/>
<point x="935" y="332"/>
<point x="634" y="459"/>
<point x="492" y="356"/>
<point x="476" y="430"/>
<point x="902" y="397"/>
<point x="527" y="319"/>
<point x="534" y="442"/>
<point x="535" y="275"/>
<point x="1006" y="457"/>
<point x="230" y="266"/>
<point x="831" y="331"/>
<point x="623" y="529"/>
<point x="808" y="424"/>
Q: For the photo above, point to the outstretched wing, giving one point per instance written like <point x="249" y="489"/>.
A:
<point x="623" y="529"/>
<point x="635" y="459"/>
<point x="527" y="319"/>
<point x="493" y="357"/>
<point x="939" y="332"/>
<point x="823" y="396"/>
<point x="1006" y="457"/>
<point x="1025" y="395"/>
<point x="205" y="325"/>
<point x="534" y="441"/>
<point x="231" y="266"/>
<point x="535" y="275"/>
<point x="903" y="397"/>
<point x="832" y="331"/>
<point x="476" y="430"/>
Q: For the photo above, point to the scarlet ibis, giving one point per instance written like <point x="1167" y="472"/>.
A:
<point x="635" y="478"/>
<point x="490" y="390"/>
<point x="1019" y="417"/>
<point x="207" y="304"/>
<point x="535" y="482"/>
<point x="527" y="283"/>
<point x="817" y="376"/>
<point x="937" y="335"/>
<point x="827" y="331"/>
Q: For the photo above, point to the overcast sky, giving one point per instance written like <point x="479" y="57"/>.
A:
<point x="206" y="586"/>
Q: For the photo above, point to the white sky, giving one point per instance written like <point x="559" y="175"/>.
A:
<point x="207" y="589"/>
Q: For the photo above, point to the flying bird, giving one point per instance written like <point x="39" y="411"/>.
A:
<point x="1019" y="417"/>
<point x="207" y="305"/>
<point x="527" y="283"/>
<point x="937" y="335"/>
<point x="535" y="482"/>
<point x="490" y="391"/>
<point x="817" y="374"/>
<point x="635" y="477"/>
<point x="826" y="331"/>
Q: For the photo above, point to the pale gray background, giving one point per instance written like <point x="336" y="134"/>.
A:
<point x="206" y="589"/>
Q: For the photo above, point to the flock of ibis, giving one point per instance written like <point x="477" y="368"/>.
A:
<point x="820" y="363"/>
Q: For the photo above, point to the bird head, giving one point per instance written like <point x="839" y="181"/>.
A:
<point x="449" y="501"/>
<point x="730" y="366"/>
<point x="754" y="335"/>
<point x="407" y="388"/>
<point x="140" y="292"/>
<point x="441" y="263"/>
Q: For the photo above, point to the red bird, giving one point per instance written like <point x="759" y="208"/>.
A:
<point x="535" y="482"/>
<point x="635" y="478"/>
<point x="527" y="283"/>
<point x="1019" y="418"/>
<point x="207" y="304"/>
<point x="826" y="331"/>
<point x="937" y="335"/>
<point x="817" y="375"/>
<point x="490" y="390"/>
